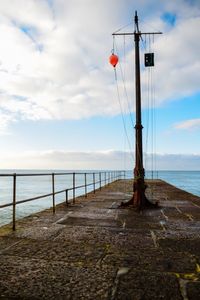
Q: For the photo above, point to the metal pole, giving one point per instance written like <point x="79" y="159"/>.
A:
<point x="139" y="187"/>
<point x="53" y="192"/>
<point x="94" y="182"/>
<point x="85" y="185"/>
<point x="14" y="201"/>
<point x="74" y="183"/>
<point x="66" y="194"/>
<point x="139" y="199"/>
<point x="100" y="179"/>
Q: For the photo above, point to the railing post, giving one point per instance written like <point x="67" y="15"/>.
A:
<point x="74" y="183"/>
<point x="85" y="185"/>
<point x="105" y="178"/>
<point x="66" y="194"/>
<point x="14" y="201"/>
<point x="100" y="180"/>
<point x="53" y="192"/>
<point x="94" y="182"/>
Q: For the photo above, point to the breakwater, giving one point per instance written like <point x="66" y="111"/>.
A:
<point x="95" y="249"/>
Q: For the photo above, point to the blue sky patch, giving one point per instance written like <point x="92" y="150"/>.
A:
<point x="31" y="32"/>
<point x="169" y="18"/>
<point x="20" y="98"/>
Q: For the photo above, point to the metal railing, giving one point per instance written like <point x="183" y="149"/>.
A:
<point x="99" y="179"/>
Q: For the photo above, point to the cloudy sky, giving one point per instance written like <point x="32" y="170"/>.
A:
<point x="59" y="106"/>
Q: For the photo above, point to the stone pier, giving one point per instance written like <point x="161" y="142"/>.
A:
<point x="95" y="250"/>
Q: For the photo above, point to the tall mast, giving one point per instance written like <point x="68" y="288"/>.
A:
<point x="139" y="186"/>
<point x="139" y="199"/>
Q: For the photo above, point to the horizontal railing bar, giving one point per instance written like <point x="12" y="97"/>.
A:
<point x="76" y="187"/>
<point x="34" y="198"/>
<point x="6" y="205"/>
<point x="58" y="192"/>
<point x="48" y="174"/>
<point x="20" y="175"/>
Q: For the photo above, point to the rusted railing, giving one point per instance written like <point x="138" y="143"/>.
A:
<point x="98" y="179"/>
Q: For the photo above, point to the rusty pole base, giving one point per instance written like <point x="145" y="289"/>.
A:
<point x="139" y="199"/>
<point x="127" y="203"/>
<point x="140" y="203"/>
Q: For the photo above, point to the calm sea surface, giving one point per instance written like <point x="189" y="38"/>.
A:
<point x="28" y="187"/>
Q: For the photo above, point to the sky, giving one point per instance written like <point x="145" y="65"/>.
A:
<point x="61" y="106"/>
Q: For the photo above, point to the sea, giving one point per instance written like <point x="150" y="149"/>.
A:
<point x="33" y="186"/>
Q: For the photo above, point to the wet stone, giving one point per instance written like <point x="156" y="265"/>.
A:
<point x="94" y="249"/>
<point x="40" y="232"/>
<point x="193" y="290"/>
<point x="6" y="242"/>
<point x="141" y="285"/>
<point x="191" y="246"/>
<point x="40" y="280"/>
<point x="80" y="221"/>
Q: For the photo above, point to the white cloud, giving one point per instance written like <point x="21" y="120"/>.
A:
<point x="69" y="78"/>
<point x="6" y="119"/>
<point x="178" y="61"/>
<point x="178" y="161"/>
<point x="32" y="13"/>
<point x="65" y="160"/>
<point x="189" y="124"/>
<point x="99" y="160"/>
<point x="54" y="58"/>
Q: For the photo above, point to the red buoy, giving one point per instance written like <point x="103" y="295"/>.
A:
<point x="113" y="59"/>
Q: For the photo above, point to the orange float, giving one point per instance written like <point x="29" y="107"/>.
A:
<point x="113" y="59"/>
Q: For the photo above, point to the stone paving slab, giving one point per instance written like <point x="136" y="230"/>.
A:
<point x="95" y="250"/>
<point x="41" y="279"/>
<point x="147" y="285"/>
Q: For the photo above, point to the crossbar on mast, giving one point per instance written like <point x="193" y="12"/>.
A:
<point x="140" y="33"/>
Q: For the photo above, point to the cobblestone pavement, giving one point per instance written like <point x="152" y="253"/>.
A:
<point x="94" y="250"/>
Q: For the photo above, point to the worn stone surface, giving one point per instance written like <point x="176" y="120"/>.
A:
<point x="95" y="250"/>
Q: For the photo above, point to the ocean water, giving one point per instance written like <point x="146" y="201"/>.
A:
<point x="185" y="180"/>
<point x="32" y="186"/>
